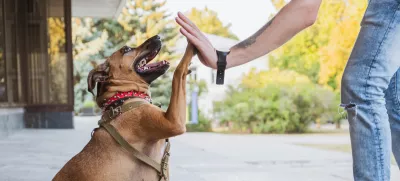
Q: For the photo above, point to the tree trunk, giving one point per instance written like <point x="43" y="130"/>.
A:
<point x="338" y="124"/>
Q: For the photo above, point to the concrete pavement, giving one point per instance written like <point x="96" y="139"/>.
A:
<point x="36" y="155"/>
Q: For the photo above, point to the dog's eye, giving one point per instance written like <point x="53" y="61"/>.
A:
<point x="126" y="49"/>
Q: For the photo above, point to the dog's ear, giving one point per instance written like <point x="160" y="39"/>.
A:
<point x="98" y="74"/>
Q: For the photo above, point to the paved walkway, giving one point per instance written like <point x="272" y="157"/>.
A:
<point x="36" y="155"/>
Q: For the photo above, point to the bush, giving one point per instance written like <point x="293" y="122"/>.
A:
<point x="204" y="124"/>
<point x="276" y="106"/>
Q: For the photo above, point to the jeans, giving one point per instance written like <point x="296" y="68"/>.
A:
<point x="371" y="92"/>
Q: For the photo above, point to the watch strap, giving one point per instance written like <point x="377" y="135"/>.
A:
<point x="221" y="66"/>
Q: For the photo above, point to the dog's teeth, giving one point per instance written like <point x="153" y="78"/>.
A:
<point x="142" y="63"/>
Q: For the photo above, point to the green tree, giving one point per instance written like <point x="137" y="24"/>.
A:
<point x="335" y="54"/>
<point x="208" y="22"/>
<point x="302" y="52"/>
<point x="321" y="51"/>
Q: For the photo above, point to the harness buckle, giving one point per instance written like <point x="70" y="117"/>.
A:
<point x="114" y="112"/>
<point x="164" y="165"/>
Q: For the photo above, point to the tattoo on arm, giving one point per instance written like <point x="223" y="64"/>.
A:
<point x="249" y="41"/>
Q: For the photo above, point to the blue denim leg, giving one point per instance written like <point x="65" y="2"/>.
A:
<point x="393" y="108"/>
<point x="372" y="63"/>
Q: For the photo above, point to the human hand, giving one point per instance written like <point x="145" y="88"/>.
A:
<point x="205" y="50"/>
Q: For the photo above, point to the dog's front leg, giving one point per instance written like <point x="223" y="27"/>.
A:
<point x="176" y="112"/>
<point x="172" y="122"/>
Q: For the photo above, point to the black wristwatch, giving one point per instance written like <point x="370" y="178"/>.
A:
<point x="221" y="66"/>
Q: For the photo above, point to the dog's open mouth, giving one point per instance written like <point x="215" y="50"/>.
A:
<point x="143" y="66"/>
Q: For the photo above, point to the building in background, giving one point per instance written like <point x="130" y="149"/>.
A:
<point x="232" y="76"/>
<point x="36" y="78"/>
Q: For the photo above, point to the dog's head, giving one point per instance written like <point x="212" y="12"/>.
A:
<point x="128" y="66"/>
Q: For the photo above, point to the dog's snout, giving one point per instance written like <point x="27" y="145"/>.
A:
<point x="156" y="37"/>
<point x="153" y="43"/>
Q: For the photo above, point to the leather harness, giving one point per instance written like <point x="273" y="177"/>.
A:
<point x="161" y="168"/>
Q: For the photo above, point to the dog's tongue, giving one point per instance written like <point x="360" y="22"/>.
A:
<point x="156" y="64"/>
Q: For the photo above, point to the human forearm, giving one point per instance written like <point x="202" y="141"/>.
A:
<point x="290" y="20"/>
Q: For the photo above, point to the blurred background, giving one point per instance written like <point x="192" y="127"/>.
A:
<point x="276" y="118"/>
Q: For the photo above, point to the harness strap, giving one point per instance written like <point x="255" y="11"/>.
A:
<point x="109" y="115"/>
<point x="142" y="157"/>
<point x="114" y="112"/>
<point x="164" y="161"/>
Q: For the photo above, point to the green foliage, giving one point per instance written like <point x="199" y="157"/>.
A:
<point x="89" y="104"/>
<point x="335" y="54"/>
<point x="200" y="84"/>
<point x="322" y="50"/>
<point x="278" y="106"/>
<point x="204" y="124"/>
<point x="161" y="89"/>
<point x="208" y="22"/>
<point x="300" y="54"/>
<point x="142" y="19"/>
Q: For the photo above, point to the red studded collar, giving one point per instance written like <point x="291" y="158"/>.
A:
<point x="119" y="98"/>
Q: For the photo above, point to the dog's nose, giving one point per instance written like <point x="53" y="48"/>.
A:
<point x="157" y="37"/>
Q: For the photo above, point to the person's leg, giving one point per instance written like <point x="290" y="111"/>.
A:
<point x="393" y="108"/>
<point x="372" y="63"/>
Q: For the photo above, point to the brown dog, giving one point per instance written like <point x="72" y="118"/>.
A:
<point x="144" y="128"/>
